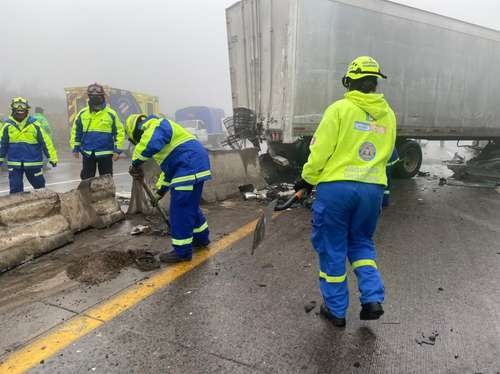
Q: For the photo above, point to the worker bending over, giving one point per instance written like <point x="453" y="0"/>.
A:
<point x="23" y="144"/>
<point x="349" y="154"/>
<point x="185" y="167"/>
<point x="97" y="134"/>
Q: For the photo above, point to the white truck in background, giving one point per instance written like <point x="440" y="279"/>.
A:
<point x="287" y="58"/>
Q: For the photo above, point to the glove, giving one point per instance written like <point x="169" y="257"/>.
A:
<point x="54" y="164"/>
<point x="136" y="172"/>
<point x="302" y="184"/>
<point x="156" y="198"/>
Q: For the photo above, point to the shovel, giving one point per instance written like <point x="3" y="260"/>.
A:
<point x="266" y="217"/>
<point x="151" y="196"/>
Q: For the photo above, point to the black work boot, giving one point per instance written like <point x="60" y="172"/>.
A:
<point x="172" y="258"/>
<point x="337" y="322"/>
<point x="371" y="311"/>
<point x="199" y="246"/>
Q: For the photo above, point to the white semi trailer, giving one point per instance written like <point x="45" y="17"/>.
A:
<point x="287" y="58"/>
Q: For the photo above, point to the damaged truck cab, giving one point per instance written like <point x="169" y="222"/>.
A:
<point x="287" y="58"/>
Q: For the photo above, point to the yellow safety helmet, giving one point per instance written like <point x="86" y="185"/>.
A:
<point x="131" y="125"/>
<point x="19" y="104"/>
<point x="364" y="66"/>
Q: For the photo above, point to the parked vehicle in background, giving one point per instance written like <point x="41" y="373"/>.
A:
<point x="287" y="58"/>
<point x="208" y="128"/>
<point x="124" y="102"/>
<point x="197" y="128"/>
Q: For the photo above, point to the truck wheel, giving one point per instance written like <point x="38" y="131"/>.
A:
<point x="410" y="159"/>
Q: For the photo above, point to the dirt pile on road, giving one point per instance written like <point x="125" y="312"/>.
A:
<point x="99" y="267"/>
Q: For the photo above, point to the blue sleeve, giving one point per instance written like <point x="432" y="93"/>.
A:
<point x="41" y="141"/>
<point x="78" y="133"/>
<point x="4" y="145"/>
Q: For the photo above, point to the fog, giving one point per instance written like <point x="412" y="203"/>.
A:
<point x="174" y="49"/>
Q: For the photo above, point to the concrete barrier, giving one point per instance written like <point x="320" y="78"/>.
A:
<point x="34" y="223"/>
<point x="230" y="169"/>
<point x="92" y="204"/>
<point x="31" y="224"/>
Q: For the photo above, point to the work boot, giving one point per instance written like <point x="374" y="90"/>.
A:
<point x="198" y="246"/>
<point x="371" y="311"/>
<point x="337" y="322"/>
<point x="172" y="258"/>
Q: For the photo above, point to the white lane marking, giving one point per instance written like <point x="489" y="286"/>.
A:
<point x="63" y="182"/>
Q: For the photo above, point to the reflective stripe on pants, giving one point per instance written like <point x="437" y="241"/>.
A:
<point x="189" y="226"/>
<point x="345" y="215"/>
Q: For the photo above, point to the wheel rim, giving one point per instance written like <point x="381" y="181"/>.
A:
<point x="410" y="160"/>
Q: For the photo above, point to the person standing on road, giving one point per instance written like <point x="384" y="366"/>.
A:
<point x="97" y="134"/>
<point x="347" y="164"/>
<point x="44" y="123"/>
<point x="185" y="167"/>
<point x="23" y="144"/>
<point x="40" y="117"/>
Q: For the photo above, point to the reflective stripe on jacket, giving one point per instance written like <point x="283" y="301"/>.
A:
<point x="182" y="159"/>
<point x="353" y="142"/>
<point x="24" y="143"/>
<point x="99" y="132"/>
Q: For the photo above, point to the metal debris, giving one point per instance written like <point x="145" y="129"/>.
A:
<point x="140" y="229"/>
<point x="427" y="340"/>
<point x="483" y="167"/>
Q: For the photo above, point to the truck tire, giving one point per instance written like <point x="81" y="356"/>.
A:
<point x="410" y="159"/>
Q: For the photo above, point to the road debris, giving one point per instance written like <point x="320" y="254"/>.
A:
<point x="483" y="167"/>
<point x="140" y="229"/>
<point x="427" y="340"/>
<point x="280" y="191"/>
<point x="310" y="306"/>
<point x="99" y="267"/>
<point x="423" y="174"/>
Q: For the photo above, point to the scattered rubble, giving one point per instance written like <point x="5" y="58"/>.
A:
<point x="310" y="306"/>
<point x="484" y="167"/>
<point x="427" y="340"/>
<point x="140" y="229"/>
<point x="99" y="267"/>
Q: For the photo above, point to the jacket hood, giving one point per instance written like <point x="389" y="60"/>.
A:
<point x="374" y="104"/>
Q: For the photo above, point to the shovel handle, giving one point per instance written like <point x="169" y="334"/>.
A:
<point x="151" y="198"/>
<point x="296" y="197"/>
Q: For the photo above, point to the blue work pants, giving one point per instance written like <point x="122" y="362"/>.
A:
<point x="345" y="216"/>
<point x="188" y="224"/>
<point x="34" y="176"/>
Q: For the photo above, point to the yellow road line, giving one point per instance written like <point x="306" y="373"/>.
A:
<point x="63" y="335"/>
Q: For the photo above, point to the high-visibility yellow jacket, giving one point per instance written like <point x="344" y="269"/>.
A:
<point x="24" y="143"/>
<point x="100" y="133"/>
<point x="353" y="142"/>
<point x="181" y="157"/>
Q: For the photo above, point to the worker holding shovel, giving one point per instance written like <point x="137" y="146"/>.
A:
<point x="185" y="167"/>
<point x="349" y="154"/>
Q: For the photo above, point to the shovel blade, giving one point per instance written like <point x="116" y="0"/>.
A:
<point x="259" y="233"/>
